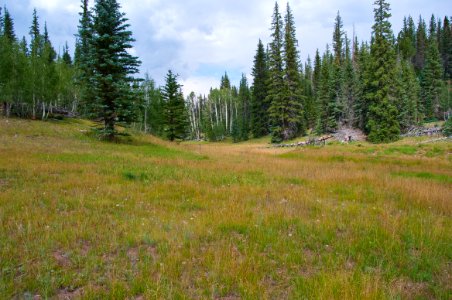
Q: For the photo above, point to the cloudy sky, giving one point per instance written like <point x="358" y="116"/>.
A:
<point x="201" y="39"/>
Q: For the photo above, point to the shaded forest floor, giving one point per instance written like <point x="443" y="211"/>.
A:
<point x="147" y="219"/>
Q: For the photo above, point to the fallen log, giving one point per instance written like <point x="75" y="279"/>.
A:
<point x="311" y="142"/>
<point x="435" y="140"/>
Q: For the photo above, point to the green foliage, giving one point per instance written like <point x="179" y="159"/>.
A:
<point x="431" y="81"/>
<point x="285" y="89"/>
<point x="407" y="95"/>
<point x="113" y="99"/>
<point x="447" y="129"/>
<point x="175" y="118"/>
<point x="241" y="127"/>
<point x="382" y="125"/>
<point x="259" y="101"/>
<point x="276" y="76"/>
<point x="152" y="114"/>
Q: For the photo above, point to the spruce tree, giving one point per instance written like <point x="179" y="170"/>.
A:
<point x="243" y="121"/>
<point x="382" y="123"/>
<point x="446" y="48"/>
<point x="336" y="105"/>
<point x="8" y="51"/>
<point x="292" y="107"/>
<point x="259" y="104"/>
<point x="83" y="61"/>
<point x="113" y="67"/>
<point x="225" y="82"/>
<point x="317" y="71"/>
<point x="406" y="40"/>
<point x="174" y="112"/>
<point x="66" y="56"/>
<point x="310" y="109"/>
<point x="421" y="46"/>
<point x="407" y="94"/>
<point x="8" y="26"/>
<point x="36" y="64"/>
<point x="431" y="80"/>
<point x="276" y="78"/>
<point x="350" y="88"/>
<point x="363" y="72"/>
<point x="326" y="122"/>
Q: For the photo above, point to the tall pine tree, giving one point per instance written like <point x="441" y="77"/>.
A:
<point x="83" y="61"/>
<point x="113" y="67"/>
<point x="276" y="78"/>
<point x="382" y="125"/>
<point x="292" y="111"/>
<point x="259" y="102"/>
<point x="174" y="112"/>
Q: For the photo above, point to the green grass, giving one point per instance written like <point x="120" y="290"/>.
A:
<point x="148" y="219"/>
<point x="426" y="176"/>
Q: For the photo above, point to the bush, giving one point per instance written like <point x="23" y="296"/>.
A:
<point x="447" y="129"/>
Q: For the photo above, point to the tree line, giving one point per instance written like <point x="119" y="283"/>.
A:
<point x="35" y="81"/>
<point x="382" y="87"/>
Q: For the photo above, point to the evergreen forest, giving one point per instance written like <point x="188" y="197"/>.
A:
<point x="383" y="86"/>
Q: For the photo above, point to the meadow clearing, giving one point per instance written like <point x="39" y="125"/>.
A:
<point x="149" y="219"/>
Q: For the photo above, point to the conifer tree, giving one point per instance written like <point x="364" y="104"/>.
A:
<point x="310" y="109"/>
<point x="406" y="40"/>
<point x="293" y="100"/>
<point x="66" y="57"/>
<point x="336" y="105"/>
<point x="431" y="80"/>
<point x="174" y="114"/>
<point x="326" y="121"/>
<point x="363" y="73"/>
<point x="317" y="71"/>
<point x="8" y="49"/>
<point x="350" y="88"/>
<point x="407" y="94"/>
<point x="36" y="64"/>
<point x="276" y="78"/>
<point x="421" y="46"/>
<point x="259" y="104"/>
<point x="446" y="48"/>
<point x="8" y="26"/>
<point x="382" y="123"/>
<point x="83" y="61"/>
<point x="225" y="82"/>
<point x="243" y="121"/>
<point x="113" y="67"/>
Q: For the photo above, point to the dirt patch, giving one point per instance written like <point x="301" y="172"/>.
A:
<point x="134" y="253"/>
<point x="152" y="251"/>
<point x="230" y="297"/>
<point x="408" y="289"/>
<point x="344" y="134"/>
<point x="85" y="248"/>
<point x="3" y="183"/>
<point x="62" y="258"/>
<point x="69" y="294"/>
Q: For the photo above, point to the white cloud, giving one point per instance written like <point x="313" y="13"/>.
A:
<point x="201" y="85"/>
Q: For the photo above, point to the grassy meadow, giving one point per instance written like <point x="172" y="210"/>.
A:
<point x="147" y="219"/>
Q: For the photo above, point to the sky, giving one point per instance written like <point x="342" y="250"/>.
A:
<point x="202" y="39"/>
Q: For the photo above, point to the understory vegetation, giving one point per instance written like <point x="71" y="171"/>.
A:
<point x="145" y="218"/>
